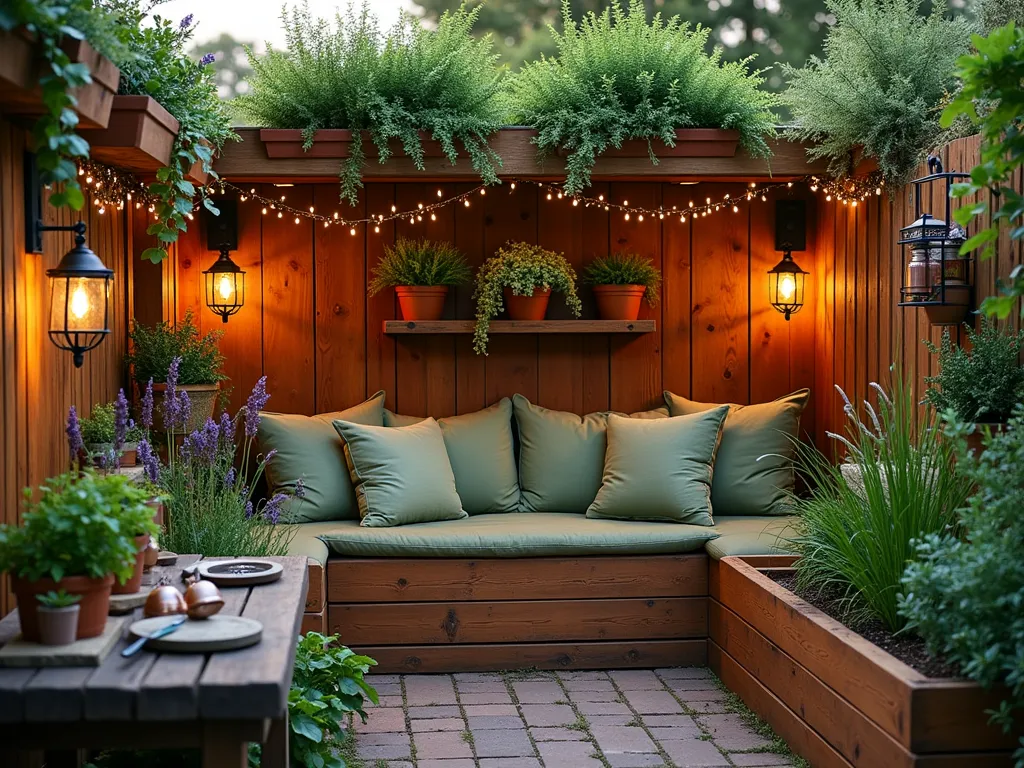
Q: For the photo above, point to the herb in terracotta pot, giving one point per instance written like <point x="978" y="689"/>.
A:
<point x="420" y="271"/>
<point x="520" y="277"/>
<point x="154" y="350"/>
<point x="78" y="536"/>
<point x="58" y="617"/>
<point x="110" y="436"/>
<point x="620" y="282"/>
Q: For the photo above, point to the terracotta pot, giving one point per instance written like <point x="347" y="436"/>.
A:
<point x="421" y="302"/>
<point x="58" y="626"/>
<point x="133" y="584"/>
<point x="158" y="511"/>
<point x="95" y="602"/>
<point x="619" y="302"/>
<point x="203" y="398"/>
<point x="129" y="453"/>
<point x="527" y="307"/>
<point x="138" y="138"/>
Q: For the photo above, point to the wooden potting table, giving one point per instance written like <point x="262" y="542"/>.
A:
<point x="215" y="702"/>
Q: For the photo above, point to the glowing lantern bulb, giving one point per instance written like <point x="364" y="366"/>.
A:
<point x="787" y="287"/>
<point x="80" y="301"/>
<point x="225" y="287"/>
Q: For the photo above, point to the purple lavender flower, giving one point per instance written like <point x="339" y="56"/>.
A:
<point x="202" y="444"/>
<point x="171" y="405"/>
<point x="300" y="489"/>
<point x="120" y="420"/>
<point x="74" y="432"/>
<point x="229" y="478"/>
<point x="186" y="22"/>
<point x="272" y="512"/>
<point x="184" y="409"/>
<point x="270" y="454"/>
<point x="208" y="59"/>
<point x="248" y="510"/>
<point x="147" y="406"/>
<point x="227" y="429"/>
<point x="257" y="402"/>
<point x="150" y="462"/>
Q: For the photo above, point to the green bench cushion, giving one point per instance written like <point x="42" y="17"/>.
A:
<point x="760" y="535"/>
<point x="513" y="534"/>
<point x="304" y="541"/>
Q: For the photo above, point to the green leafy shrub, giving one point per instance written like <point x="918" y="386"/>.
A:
<point x="858" y="525"/>
<point x="991" y="97"/>
<point x="442" y="81"/>
<point x="616" y="77"/>
<point x="625" y="269"/>
<point x="327" y="686"/>
<point x="885" y="73"/>
<point x="982" y="381"/>
<point x="153" y="350"/>
<point x="81" y="525"/>
<point x="965" y="595"/>
<point x="419" y="262"/>
<point x="99" y="427"/>
<point x="158" y="65"/>
<point x="520" y="267"/>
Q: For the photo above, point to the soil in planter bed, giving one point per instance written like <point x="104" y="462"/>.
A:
<point x="908" y="648"/>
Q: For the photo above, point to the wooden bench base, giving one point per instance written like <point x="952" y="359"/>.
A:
<point x="447" y="615"/>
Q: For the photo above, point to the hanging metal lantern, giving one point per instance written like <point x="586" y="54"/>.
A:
<point x="786" y="281"/>
<point x="225" y="286"/>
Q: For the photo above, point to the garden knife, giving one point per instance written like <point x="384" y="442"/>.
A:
<point x="135" y="647"/>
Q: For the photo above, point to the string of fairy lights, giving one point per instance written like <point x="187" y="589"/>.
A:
<point x="114" y="189"/>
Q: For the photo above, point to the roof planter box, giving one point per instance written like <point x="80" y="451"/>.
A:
<point x="21" y="69"/>
<point x="139" y="138"/>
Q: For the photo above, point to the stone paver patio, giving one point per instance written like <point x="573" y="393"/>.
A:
<point x="619" y="719"/>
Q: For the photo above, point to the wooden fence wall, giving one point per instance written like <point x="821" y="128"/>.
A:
<point x="309" y="325"/>
<point x="860" y="330"/>
<point x="38" y="382"/>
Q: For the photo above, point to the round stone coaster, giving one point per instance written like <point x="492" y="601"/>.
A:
<point x="240" y="573"/>
<point x="217" y="633"/>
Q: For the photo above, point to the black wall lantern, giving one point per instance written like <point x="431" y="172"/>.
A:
<point x="79" y="284"/>
<point x="786" y="281"/>
<point x="225" y="280"/>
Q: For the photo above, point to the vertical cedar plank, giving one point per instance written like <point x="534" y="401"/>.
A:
<point x="380" y="349"/>
<point x="190" y="252"/>
<point x="511" y="365"/>
<point x="865" y="303"/>
<point x="770" y="365"/>
<point x="635" y="363"/>
<point x="288" y="331"/>
<point x="340" y="303"/>
<point x="802" y="350"/>
<point x="675" y="289"/>
<point x="470" y="390"/>
<point x="842" y="330"/>
<point x="720" y="335"/>
<point x="595" y="348"/>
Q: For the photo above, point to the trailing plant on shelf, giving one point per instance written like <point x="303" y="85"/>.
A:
<point x="625" y="269"/>
<point x="154" y="348"/>
<point x="54" y="138"/>
<point x="519" y="268"/>
<point x="419" y="263"/>
<point x="963" y="594"/>
<point x="878" y="90"/>
<point x="858" y="525"/>
<point x="990" y="96"/>
<point x="442" y="81"/>
<point x="328" y="686"/>
<point x="982" y="381"/>
<point x="159" y="66"/>
<point x="617" y="77"/>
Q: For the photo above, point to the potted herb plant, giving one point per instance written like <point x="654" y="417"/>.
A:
<point x="420" y="271"/>
<point x="980" y="382"/>
<point x="58" y="617"/>
<point x="110" y="435"/>
<point x="73" y="538"/>
<point x="198" y="372"/>
<point x="620" y="282"/>
<point x="519" y="277"/>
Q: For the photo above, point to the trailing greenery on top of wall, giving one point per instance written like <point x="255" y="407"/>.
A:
<point x="394" y="85"/>
<point x="616" y="77"/>
<point x="880" y="87"/>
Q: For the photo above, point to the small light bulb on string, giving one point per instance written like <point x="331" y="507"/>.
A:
<point x="433" y="217"/>
<point x="483" y="191"/>
<point x="601" y="198"/>
<point x="735" y="209"/>
<point x="327" y="224"/>
<point x="682" y="219"/>
<point x="549" y="195"/>
<point x="575" y="202"/>
<point x="352" y="231"/>
<point x="264" y="211"/>
<point x="311" y="209"/>
<point x="559" y="195"/>
<point x="691" y="203"/>
<point x="296" y="219"/>
<point x="376" y="230"/>
<point x="640" y="217"/>
<point x="420" y="206"/>
<point x="419" y="218"/>
<point x="625" y="202"/>
<point x="512" y="186"/>
<point x="439" y="193"/>
<point x="104" y="210"/>
<point x="280" y="215"/>
<point x="394" y="208"/>
<point x="466" y="203"/>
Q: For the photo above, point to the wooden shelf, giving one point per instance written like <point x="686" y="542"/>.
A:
<point x="401" y="327"/>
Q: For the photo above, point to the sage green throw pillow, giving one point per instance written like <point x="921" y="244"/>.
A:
<point x="308" y="447"/>
<point x="392" y="419"/>
<point x="754" y="468"/>
<point x="483" y="460"/>
<point x="660" y="469"/>
<point x="401" y="474"/>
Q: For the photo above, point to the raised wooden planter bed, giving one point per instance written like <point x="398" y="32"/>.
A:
<point x="21" y="68"/>
<point x="837" y="699"/>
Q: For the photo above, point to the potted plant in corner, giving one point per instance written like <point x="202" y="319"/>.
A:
<point x="112" y="438"/>
<point x="67" y="541"/>
<point x="980" y="382"/>
<point x="421" y="272"/>
<point x="198" y="371"/>
<point x="620" y="282"/>
<point x="519" y="277"/>
<point x="58" y="617"/>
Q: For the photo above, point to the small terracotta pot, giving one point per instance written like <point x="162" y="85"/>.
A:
<point x="133" y="584"/>
<point x="158" y="511"/>
<point x="94" y="605"/>
<point x="421" y="302"/>
<point x="976" y="440"/>
<point x="619" y="302"/>
<point x="533" y="307"/>
<point x="57" y="626"/>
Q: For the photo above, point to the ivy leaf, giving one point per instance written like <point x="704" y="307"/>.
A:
<point x="155" y="255"/>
